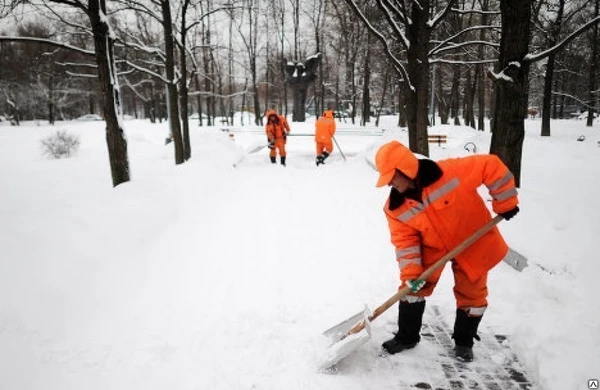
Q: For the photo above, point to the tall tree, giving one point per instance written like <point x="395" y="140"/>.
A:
<point x="511" y="85"/>
<point x="411" y="24"/>
<point x="104" y="53"/>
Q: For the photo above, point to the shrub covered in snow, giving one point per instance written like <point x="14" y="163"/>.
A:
<point x="60" y="144"/>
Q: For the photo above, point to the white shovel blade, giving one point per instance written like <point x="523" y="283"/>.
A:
<point x="515" y="260"/>
<point x="337" y="332"/>
<point x="343" y="348"/>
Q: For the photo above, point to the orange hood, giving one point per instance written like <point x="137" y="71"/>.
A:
<point x="392" y="156"/>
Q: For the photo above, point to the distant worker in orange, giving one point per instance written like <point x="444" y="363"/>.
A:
<point x="324" y="132"/>
<point x="431" y="209"/>
<point x="277" y="129"/>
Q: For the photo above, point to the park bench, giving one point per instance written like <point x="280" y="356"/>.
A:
<point x="438" y="138"/>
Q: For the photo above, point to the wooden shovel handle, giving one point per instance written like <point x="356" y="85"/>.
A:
<point x="428" y="272"/>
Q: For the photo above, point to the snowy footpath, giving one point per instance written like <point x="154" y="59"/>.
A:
<point x="206" y="276"/>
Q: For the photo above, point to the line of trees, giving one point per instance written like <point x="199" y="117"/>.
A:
<point x="465" y="60"/>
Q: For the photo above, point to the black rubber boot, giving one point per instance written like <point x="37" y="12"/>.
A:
<point x="283" y="160"/>
<point x="410" y="319"/>
<point x="325" y="155"/>
<point x="319" y="160"/>
<point x="465" y="330"/>
<point x="273" y="160"/>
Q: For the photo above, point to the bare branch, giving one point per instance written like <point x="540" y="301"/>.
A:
<point x="147" y="71"/>
<point x="397" y="64"/>
<point x="539" y="56"/>
<point x="438" y="48"/>
<point x="441" y="15"/>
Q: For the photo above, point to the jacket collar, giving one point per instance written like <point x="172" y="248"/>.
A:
<point x="429" y="172"/>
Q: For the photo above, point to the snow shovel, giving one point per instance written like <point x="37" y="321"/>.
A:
<point x="254" y="149"/>
<point x="346" y="336"/>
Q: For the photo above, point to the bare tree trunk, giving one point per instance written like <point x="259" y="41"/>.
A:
<point x="366" y="98"/>
<point x="51" y="99"/>
<point x="171" y="83"/>
<point x="511" y="96"/>
<point x="418" y="72"/>
<point x="468" y="112"/>
<point x="547" y="100"/>
<point x="107" y="74"/>
<point x="402" y="104"/>
<point x="386" y="80"/>
<point x="480" y="72"/>
<point x="592" y="78"/>
<point x="549" y="77"/>
<point x="183" y="89"/>
<point x="454" y="95"/>
<point x="442" y="100"/>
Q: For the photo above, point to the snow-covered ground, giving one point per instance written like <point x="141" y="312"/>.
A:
<point x="205" y="276"/>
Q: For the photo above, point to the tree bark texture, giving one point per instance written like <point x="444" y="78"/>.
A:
<point x="592" y="75"/>
<point x="418" y="71"/>
<point x="107" y="74"/>
<point x="511" y="90"/>
<point x="171" y="85"/>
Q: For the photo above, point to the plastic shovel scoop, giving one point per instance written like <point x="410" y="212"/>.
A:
<point x="346" y="336"/>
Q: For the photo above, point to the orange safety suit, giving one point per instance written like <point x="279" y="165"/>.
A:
<point x="277" y="130"/>
<point x="324" y="132"/>
<point x="446" y="211"/>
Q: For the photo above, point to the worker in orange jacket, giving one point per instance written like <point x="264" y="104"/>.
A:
<point x="324" y="132"/>
<point x="431" y="209"/>
<point x="277" y="129"/>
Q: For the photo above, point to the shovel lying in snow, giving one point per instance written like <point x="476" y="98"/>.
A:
<point x="347" y="336"/>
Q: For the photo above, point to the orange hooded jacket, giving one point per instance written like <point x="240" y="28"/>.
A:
<point x="325" y="127"/>
<point x="450" y="209"/>
<point x="277" y="130"/>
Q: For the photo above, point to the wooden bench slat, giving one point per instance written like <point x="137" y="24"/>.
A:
<point x="439" y="138"/>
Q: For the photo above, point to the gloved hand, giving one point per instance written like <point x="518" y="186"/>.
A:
<point x="409" y="275"/>
<point x="510" y="213"/>
<point x="272" y="144"/>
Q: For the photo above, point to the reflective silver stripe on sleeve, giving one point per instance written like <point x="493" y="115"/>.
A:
<point x="505" y="194"/>
<point x="413" y="250"/>
<point x="500" y="182"/>
<point x="404" y="262"/>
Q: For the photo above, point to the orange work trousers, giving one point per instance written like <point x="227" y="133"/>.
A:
<point x="279" y="147"/>
<point x="327" y="145"/>
<point x="466" y="292"/>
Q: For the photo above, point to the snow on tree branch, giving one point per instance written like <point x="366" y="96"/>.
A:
<point x="543" y="54"/>
<point x="502" y="76"/>
<point x="454" y="46"/>
<point x="392" y="22"/>
<point x="475" y="11"/>
<point x="446" y="41"/>
<point x="462" y="62"/>
<point x="147" y="71"/>
<point x="441" y="15"/>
